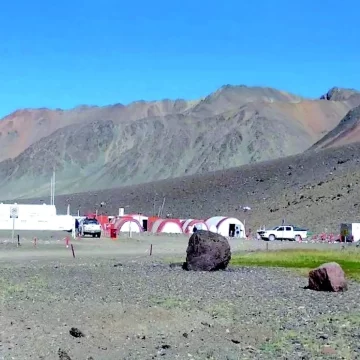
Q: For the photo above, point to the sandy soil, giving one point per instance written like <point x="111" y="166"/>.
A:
<point x="130" y="305"/>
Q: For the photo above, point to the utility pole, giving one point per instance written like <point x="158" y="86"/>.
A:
<point x="51" y="190"/>
<point x="54" y="187"/>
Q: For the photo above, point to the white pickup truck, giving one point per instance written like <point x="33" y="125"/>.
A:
<point x="90" y="227"/>
<point x="284" y="232"/>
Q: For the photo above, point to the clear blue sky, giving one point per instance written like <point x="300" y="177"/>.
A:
<point x="66" y="53"/>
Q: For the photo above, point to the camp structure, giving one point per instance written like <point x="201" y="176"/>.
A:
<point x="142" y="219"/>
<point x="189" y="224"/>
<point x="126" y="224"/>
<point x="226" y="226"/>
<point x="169" y="226"/>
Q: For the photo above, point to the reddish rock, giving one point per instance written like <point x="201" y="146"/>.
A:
<point x="328" y="277"/>
<point x="327" y="350"/>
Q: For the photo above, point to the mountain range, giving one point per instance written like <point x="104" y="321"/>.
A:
<point x="95" y="148"/>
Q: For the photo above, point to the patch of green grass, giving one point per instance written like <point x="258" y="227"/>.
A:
<point x="302" y="260"/>
<point x="341" y="325"/>
<point x="171" y="303"/>
<point x="32" y="284"/>
<point x="173" y="260"/>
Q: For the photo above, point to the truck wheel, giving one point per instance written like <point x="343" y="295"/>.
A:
<point x="298" y="238"/>
<point x="272" y="238"/>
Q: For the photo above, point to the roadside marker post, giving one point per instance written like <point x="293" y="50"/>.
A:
<point x="73" y="251"/>
<point x="151" y="248"/>
<point x="14" y="214"/>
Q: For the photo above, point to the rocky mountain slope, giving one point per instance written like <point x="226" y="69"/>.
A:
<point x="103" y="147"/>
<point x="318" y="190"/>
<point x="348" y="131"/>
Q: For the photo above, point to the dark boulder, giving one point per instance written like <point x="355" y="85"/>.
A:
<point x="207" y="251"/>
<point x="327" y="277"/>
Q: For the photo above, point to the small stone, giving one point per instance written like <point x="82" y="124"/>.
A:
<point x="205" y="324"/>
<point x="327" y="350"/>
<point x="75" y="332"/>
<point x="63" y="355"/>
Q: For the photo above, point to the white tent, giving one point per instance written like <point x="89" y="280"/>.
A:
<point x="226" y="226"/>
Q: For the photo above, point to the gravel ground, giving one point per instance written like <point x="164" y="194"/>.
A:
<point x="129" y="305"/>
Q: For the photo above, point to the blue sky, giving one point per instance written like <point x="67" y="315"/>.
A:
<point x="67" y="53"/>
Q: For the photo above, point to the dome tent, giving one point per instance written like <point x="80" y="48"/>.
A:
<point x="125" y="224"/>
<point x="226" y="226"/>
<point x="188" y="225"/>
<point x="170" y="226"/>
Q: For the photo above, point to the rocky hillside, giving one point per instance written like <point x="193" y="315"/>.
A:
<point x="25" y="127"/>
<point x="104" y="147"/>
<point x="348" y="131"/>
<point x="318" y="190"/>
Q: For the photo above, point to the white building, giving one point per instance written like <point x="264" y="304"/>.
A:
<point x="34" y="217"/>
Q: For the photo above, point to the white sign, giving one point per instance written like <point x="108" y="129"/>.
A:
<point x="14" y="212"/>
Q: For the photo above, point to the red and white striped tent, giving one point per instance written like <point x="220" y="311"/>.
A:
<point x="126" y="224"/>
<point x="169" y="226"/>
<point x="189" y="224"/>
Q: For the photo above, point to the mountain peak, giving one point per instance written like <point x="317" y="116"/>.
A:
<point x="339" y="94"/>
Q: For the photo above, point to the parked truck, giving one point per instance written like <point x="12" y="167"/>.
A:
<point x="283" y="232"/>
<point x="90" y="227"/>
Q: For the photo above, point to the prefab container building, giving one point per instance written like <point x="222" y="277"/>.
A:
<point x="34" y="217"/>
<point x="350" y="232"/>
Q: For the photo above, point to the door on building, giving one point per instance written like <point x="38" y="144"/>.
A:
<point x="145" y="225"/>
<point x="231" y="230"/>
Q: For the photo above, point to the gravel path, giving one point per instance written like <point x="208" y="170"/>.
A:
<point x="140" y="307"/>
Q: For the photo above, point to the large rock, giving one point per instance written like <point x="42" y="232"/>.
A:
<point x="328" y="277"/>
<point x="207" y="251"/>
